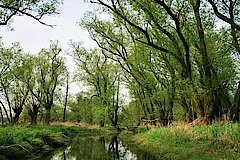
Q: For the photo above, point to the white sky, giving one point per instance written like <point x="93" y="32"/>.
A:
<point x="34" y="36"/>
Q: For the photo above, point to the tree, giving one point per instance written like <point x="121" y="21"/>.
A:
<point x="31" y="8"/>
<point x="12" y="83"/>
<point x="170" y="52"/>
<point x="66" y="99"/>
<point x="49" y="72"/>
<point x="19" y="90"/>
<point x="102" y="74"/>
<point x="33" y="107"/>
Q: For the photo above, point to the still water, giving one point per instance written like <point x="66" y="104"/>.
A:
<point x="98" y="148"/>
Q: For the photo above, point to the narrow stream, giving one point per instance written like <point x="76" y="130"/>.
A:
<point x="98" y="148"/>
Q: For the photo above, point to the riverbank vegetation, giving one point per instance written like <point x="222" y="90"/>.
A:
<point x="32" y="141"/>
<point x="156" y="63"/>
<point x="217" y="141"/>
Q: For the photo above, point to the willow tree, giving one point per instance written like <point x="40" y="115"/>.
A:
<point x="144" y="30"/>
<point x="103" y="76"/>
<point x="7" y="62"/>
<point x="13" y="89"/>
<point x="228" y="11"/>
<point x="48" y="77"/>
<point x="176" y="32"/>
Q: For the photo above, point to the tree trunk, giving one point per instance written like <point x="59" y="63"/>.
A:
<point x="5" y="110"/>
<point x="236" y="105"/>
<point x="48" y="116"/>
<point x="171" y="98"/>
<point x="15" y="119"/>
<point x="2" y="116"/>
<point x="198" y="105"/>
<point x="33" y="113"/>
<point x="233" y="28"/>
<point x="17" y="112"/>
<point x="187" y="109"/>
<point x="209" y="108"/>
<point x="170" y="110"/>
<point x="206" y="63"/>
<point x="116" y="108"/>
<point x="34" y="119"/>
<point x="116" y="117"/>
<point x="66" y="100"/>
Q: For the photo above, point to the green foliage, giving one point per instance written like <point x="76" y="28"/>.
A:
<point x="171" y="53"/>
<point x="131" y="115"/>
<point x="32" y="8"/>
<point x="80" y="109"/>
<point x="103" y="76"/>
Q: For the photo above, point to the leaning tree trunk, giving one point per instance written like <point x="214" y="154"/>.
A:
<point x="5" y="110"/>
<point x="2" y="116"/>
<point x="206" y="63"/>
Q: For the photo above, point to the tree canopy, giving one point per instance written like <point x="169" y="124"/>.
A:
<point x="177" y="59"/>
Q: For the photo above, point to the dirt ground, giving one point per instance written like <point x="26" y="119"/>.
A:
<point x="84" y="124"/>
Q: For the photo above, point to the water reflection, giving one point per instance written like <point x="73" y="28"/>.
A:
<point x="98" y="148"/>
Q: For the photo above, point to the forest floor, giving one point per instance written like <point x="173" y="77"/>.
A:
<point x="82" y="124"/>
<point x="217" y="141"/>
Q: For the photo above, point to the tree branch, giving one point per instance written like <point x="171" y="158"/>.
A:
<point x="223" y="17"/>
<point x="16" y="10"/>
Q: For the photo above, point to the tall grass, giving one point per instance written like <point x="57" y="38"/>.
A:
<point x="217" y="141"/>
<point x="17" y="134"/>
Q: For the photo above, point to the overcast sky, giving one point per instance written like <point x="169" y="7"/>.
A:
<point x="34" y="36"/>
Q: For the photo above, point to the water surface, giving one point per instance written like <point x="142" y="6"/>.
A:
<point x="98" y="148"/>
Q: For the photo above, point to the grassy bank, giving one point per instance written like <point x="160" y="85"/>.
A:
<point x="32" y="141"/>
<point x="218" y="141"/>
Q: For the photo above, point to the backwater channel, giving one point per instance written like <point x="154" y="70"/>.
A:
<point x="98" y="148"/>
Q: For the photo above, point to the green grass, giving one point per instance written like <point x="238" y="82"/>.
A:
<point x="16" y="134"/>
<point x="27" y="141"/>
<point x="218" y="141"/>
